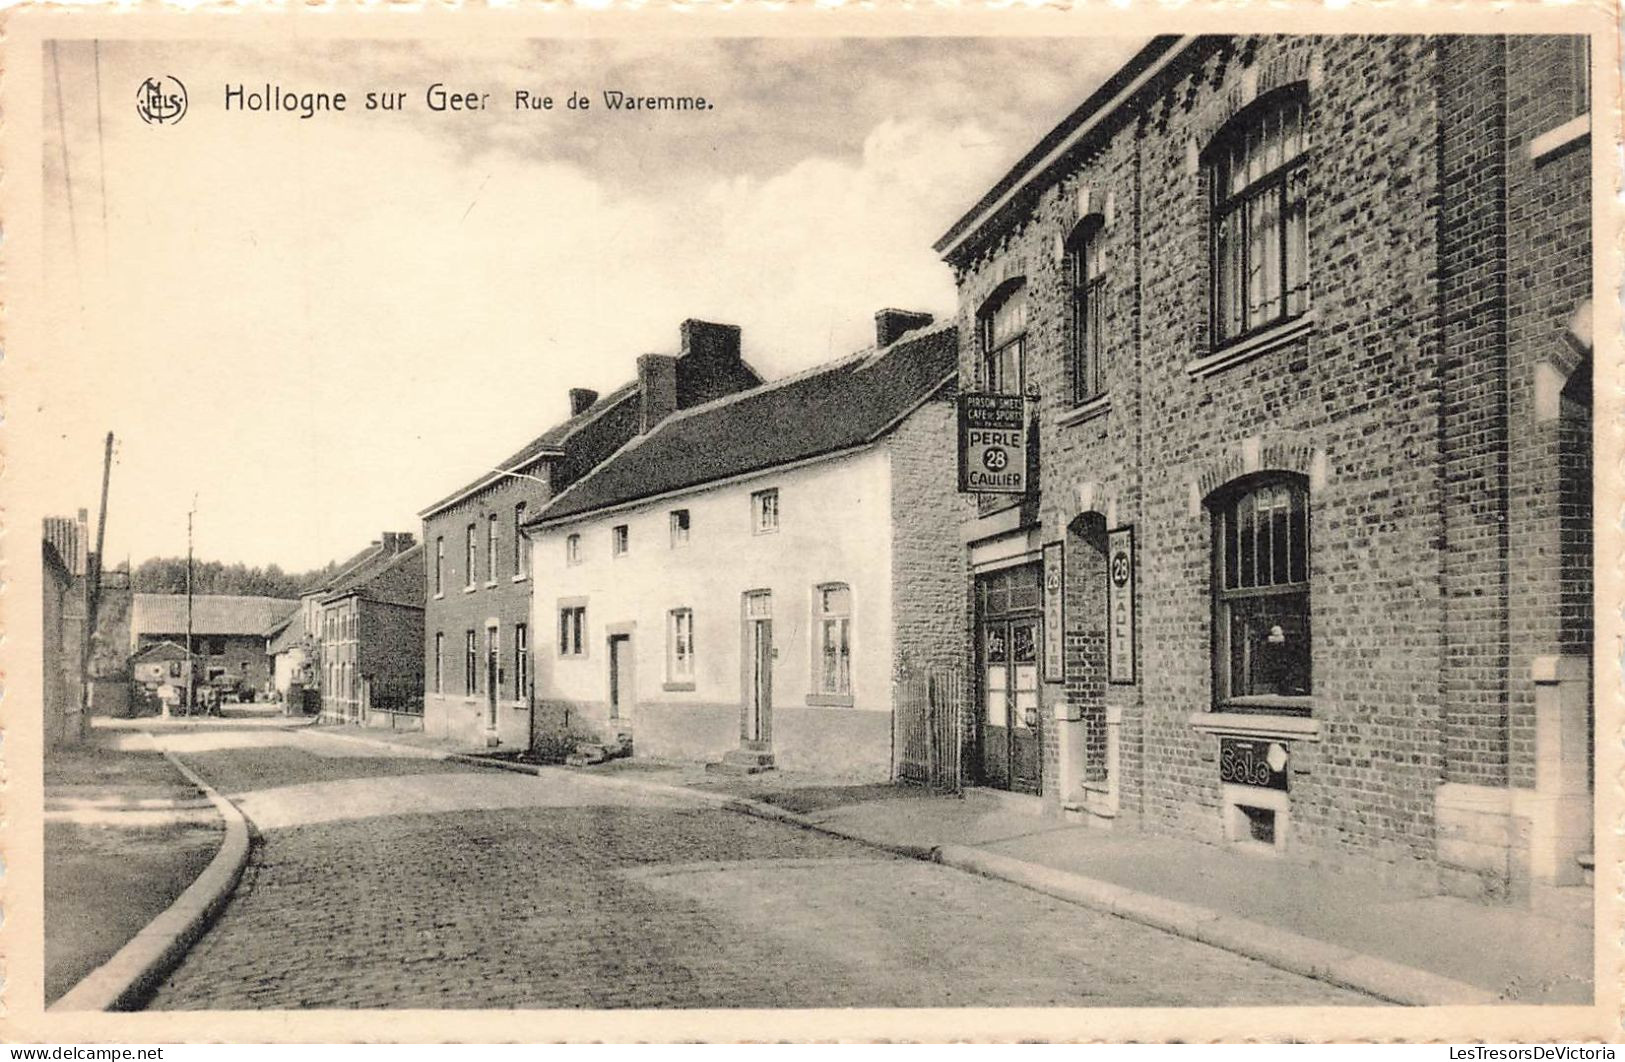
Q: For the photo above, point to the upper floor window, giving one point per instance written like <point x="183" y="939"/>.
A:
<point x="1259" y="175"/>
<point x="764" y="511"/>
<point x="491" y="539"/>
<point x="620" y="539"/>
<point x="1002" y="336"/>
<point x="679" y="528"/>
<point x="1086" y="279"/>
<point x="519" y="565"/>
<point x="833" y="626"/>
<point x="572" y="549"/>
<point x="440" y="565"/>
<point x="471" y="558"/>
<point x="1261" y="595"/>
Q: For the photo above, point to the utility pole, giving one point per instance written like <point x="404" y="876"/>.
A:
<point x="93" y="590"/>
<point x="190" y="661"/>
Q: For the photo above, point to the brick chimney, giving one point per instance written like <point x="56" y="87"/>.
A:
<point x="708" y="342"/>
<point x="891" y="324"/>
<point x="657" y="385"/>
<point x="581" y="399"/>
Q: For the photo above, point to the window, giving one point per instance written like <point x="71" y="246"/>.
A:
<point x="1580" y="73"/>
<point x="174" y="669"/>
<point x="833" y="623"/>
<point x="521" y="661"/>
<point x="519" y="565"/>
<point x="439" y="662"/>
<point x="1002" y="334"/>
<point x="439" y="565"/>
<point x="572" y="630"/>
<point x="471" y="663"/>
<point x="470" y="559"/>
<point x="680" y="645"/>
<point x="1086" y="276"/>
<point x="1261" y="596"/>
<point x="572" y="550"/>
<point x="1259" y="175"/>
<point x="764" y="511"/>
<point x="491" y="538"/>
<point x="619" y="539"/>
<point x="679" y="528"/>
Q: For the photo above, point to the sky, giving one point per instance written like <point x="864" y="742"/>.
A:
<point x="318" y="327"/>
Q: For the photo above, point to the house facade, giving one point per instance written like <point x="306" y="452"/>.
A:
<point x="752" y="582"/>
<point x="372" y="638"/>
<point x="1304" y="565"/>
<point x="66" y="615"/>
<point x="478" y="583"/>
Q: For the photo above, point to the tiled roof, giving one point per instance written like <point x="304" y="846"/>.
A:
<point x="385" y="581"/>
<point x="327" y="581"/>
<point x="834" y="407"/>
<point x="549" y="443"/>
<point x="164" y="650"/>
<point x="211" y="614"/>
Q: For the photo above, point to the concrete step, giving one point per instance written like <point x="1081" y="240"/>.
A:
<point x="742" y="761"/>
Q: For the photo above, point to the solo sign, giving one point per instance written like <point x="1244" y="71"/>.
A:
<point x="992" y="444"/>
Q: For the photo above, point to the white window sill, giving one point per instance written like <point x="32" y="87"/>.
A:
<point x="1251" y="348"/>
<point x="519" y="578"/>
<point x="1087" y="411"/>
<point x="1552" y="141"/>
<point x="440" y="596"/>
<point x="469" y="589"/>
<point x="491" y="584"/>
<point x="1244" y="724"/>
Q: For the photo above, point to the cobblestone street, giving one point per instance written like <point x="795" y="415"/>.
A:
<point x="384" y="881"/>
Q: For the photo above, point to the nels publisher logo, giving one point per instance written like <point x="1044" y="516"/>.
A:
<point x="161" y="100"/>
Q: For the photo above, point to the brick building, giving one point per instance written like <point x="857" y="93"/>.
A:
<point x="66" y="607"/>
<point x="372" y="643"/>
<point x="754" y="581"/>
<point x="479" y="588"/>
<point x="297" y="650"/>
<point x="1303" y="324"/>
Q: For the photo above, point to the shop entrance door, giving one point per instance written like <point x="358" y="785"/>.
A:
<point x="1011" y="723"/>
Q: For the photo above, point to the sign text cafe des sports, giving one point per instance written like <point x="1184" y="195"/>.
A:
<point x="992" y="444"/>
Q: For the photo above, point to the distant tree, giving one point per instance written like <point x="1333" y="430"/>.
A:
<point x="167" y="575"/>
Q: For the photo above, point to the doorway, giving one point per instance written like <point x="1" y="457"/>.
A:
<point x="1008" y="639"/>
<point x="621" y="679"/>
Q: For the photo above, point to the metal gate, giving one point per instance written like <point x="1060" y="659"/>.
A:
<point x="930" y="724"/>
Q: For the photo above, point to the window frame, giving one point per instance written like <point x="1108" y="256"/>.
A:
<point x="439" y="662"/>
<point x="1223" y="205"/>
<point x="760" y="508"/>
<point x="493" y="548"/>
<point x="471" y="557"/>
<point x="822" y="619"/>
<point x="620" y="540"/>
<point x="572" y="548"/>
<point x="521" y="661"/>
<point x="572" y="640"/>
<point x="521" y="561"/>
<point x="680" y="653"/>
<point x="991" y="349"/>
<point x="1086" y="301"/>
<point x="471" y="663"/>
<point x="1223" y="507"/>
<point x="440" y="566"/>
<point x="681" y="522"/>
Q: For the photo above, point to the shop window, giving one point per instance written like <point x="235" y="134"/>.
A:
<point x="1258" y="174"/>
<point x="832" y="624"/>
<point x="1002" y="338"/>
<point x="1261" y="636"/>
<point x="680" y="645"/>
<point x="572" y="630"/>
<point x="1086" y="281"/>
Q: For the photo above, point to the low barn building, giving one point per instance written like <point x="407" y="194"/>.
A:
<point x="227" y="633"/>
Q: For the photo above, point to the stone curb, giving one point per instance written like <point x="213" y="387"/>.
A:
<point x="1280" y="948"/>
<point x="123" y="981"/>
<point x="1283" y="949"/>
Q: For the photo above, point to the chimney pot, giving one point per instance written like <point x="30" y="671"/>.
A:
<point x="581" y="399"/>
<point x="890" y="324"/>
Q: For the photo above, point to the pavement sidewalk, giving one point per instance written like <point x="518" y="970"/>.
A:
<point x="1359" y="930"/>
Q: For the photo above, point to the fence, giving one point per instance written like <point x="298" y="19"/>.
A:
<point x="930" y="722"/>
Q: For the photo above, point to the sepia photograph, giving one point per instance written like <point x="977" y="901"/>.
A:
<point x="653" y="526"/>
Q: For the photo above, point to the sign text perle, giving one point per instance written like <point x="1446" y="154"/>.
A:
<point x="992" y="444"/>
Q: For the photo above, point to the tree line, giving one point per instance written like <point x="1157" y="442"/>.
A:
<point x="167" y="575"/>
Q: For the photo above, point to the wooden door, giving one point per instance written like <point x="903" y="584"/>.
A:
<point x="761" y="685"/>
<point x="620" y="677"/>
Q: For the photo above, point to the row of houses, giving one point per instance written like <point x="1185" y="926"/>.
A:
<point x="1247" y="496"/>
